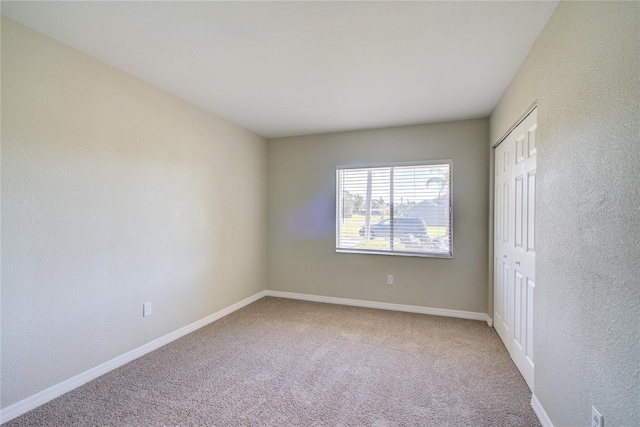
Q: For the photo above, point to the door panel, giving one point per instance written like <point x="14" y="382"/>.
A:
<point x="505" y="213"/>
<point x="501" y="313"/>
<point x="518" y="234"/>
<point x="507" y="293"/>
<point x="531" y="204"/>
<point x="514" y="243"/>
<point x="520" y="143"/>
<point x="501" y="230"/>
<point x="517" y="305"/>
<point x="498" y="212"/>
<point x="530" y="287"/>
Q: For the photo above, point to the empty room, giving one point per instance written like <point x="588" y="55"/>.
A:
<point x="320" y="213"/>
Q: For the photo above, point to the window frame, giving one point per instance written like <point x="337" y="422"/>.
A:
<point x="390" y="165"/>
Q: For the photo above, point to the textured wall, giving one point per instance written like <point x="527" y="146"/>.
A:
<point x="584" y="70"/>
<point x="301" y="217"/>
<point x="114" y="194"/>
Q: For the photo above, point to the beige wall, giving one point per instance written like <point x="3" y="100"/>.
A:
<point x="301" y="217"/>
<point x="114" y="194"/>
<point x="584" y="70"/>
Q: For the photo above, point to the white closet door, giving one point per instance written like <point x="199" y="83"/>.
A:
<point x="514" y="250"/>
<point x="502" y="273"/>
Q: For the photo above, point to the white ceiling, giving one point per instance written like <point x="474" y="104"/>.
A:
<point x="294" y="68"/>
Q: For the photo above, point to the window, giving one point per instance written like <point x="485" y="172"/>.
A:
<point x="395" y="209"/>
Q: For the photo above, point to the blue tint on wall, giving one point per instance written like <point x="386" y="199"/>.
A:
<point x="314" y="219"/>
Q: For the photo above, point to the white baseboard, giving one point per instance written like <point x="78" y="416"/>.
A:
<point x="489" y="321"/>
<point x="540" y="412"/>
<point x="382" y="305"/>
<point x="32" y="402"/>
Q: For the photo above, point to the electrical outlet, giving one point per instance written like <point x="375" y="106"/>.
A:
<point x="597" y="420"/>
<point x="146" y="309"/>
<point x="390" y="279"/>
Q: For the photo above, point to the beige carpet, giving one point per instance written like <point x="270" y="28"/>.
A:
<point x="282" y="362"/>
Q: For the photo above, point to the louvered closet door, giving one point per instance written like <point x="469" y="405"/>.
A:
<point x="515" y="282"/>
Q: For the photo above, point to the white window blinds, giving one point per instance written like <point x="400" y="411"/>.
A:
<point x="395" y="209"/>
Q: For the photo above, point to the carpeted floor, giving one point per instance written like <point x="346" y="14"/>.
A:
<point x="281" y="362"/>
